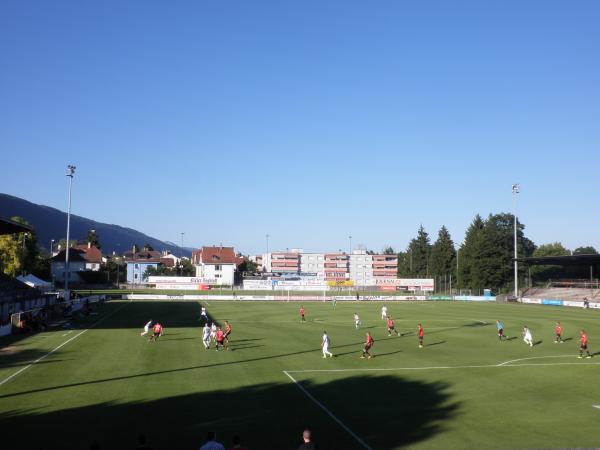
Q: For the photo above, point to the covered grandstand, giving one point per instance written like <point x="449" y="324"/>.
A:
<point x="576" y="278"/>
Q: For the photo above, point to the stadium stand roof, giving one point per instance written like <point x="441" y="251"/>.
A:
<point x="567" y="260"/>
<point x="8" y="226"/>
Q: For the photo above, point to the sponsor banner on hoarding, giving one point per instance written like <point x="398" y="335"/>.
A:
<point x="440" y="297"/>
<point x="347" y="283"/>
<point x="180" y="280"/>
<point x="474" y="298"/>
<point x="411" y="284"/>
<point x="533" y="301"/>
<point x="184" y="287"/>
<point x="572" y="303"/>
<point x="552" y="301"/>
<point x="388" y="288"/>
<point x="258" y="285"/>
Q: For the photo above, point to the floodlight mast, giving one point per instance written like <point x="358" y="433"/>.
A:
<point x="515" y="190"/>
<point x="70" y="173"/>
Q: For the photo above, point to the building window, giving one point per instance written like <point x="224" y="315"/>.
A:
<point x="135" y="275"/>
<point x="136" y="266"/>
<point x="218" y="275"/>
<point x="217" y="267"/>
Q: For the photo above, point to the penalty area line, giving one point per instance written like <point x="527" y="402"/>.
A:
<point x="32" y="363"/>
<point x="328" y="412"/>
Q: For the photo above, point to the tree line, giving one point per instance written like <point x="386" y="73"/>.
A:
<point x="484" y="260"/>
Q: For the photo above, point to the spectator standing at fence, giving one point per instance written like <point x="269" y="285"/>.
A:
<point x="211" y="442"/>
<point x="307" y="441"/>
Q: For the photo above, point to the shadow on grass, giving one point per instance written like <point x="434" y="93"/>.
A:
<point x="12" y="356"/>
<point x="435" y="343"/>
<point x="268" y="416"/>
<point x="357" y="345"/>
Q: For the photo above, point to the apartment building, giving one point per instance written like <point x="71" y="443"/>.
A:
<point x="336" y="266"/>
<point x="363" y="269"/>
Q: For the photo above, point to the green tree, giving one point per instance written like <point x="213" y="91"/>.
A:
<point x="585" y="251"/>
<point x="19" y="252"/>
<point x="247" y="266"/>
<point x="539" y="273"/>
<point x="404" y="265"/>
<point x="389" y="250"/>
<point x="443" y="255"/>
<point x="469" y="253"/>
<point x="93" y="238"/>
<point x="419" y="251"/>
<point x="488" y="260"/>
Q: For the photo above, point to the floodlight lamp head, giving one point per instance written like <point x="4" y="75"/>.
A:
<point x="515" y="188"/>
<point x="70" y="170"/>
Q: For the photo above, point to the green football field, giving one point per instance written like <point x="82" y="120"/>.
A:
<point x="105" y="384"/>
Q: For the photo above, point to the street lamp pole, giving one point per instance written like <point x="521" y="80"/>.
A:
<point x="70" y="173"/>
<point x="181" y="253"/>
<point x="515" y="191"/>
<point x="51" y="247"/>
<point x="350" y="238"/>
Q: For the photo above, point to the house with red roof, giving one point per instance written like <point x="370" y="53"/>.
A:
<point x="216" y="265"/>
<point x="92" y="256"/>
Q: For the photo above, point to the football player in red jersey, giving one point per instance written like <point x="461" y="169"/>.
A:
<point x="220" y="338"/>
<point x="558" y="331"/>
<point x="421" y="335"/>
<point x="583" y="344"/>
<point x="227" y="333"/>
<point x="391" y="327"/>
<point x="367" y="346"/>
<point x="157" y="331"/>
<point x="302" y="319"/>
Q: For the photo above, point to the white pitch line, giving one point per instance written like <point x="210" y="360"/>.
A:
<point x="10" y="377"/>
<point x="483" y="366"/>
<point x="328" y="412"/>
<point x="596" y="406"/>
<point x="40" y="358"/>
<point x="534" y="357"/>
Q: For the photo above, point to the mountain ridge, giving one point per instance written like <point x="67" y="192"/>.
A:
<point x="50" y="223"/>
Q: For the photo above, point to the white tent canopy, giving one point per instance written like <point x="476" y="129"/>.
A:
<point x="35" y="282"/>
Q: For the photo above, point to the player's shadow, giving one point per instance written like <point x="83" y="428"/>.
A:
<point x="512" y="338"/>
<point x="476" y="324"/>
<point x="537" y="343"/>
<point x="435" y="343"/>
<point x="421" y="410"/>
<point x="567" y="339"/>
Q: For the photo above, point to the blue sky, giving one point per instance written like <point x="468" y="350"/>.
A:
<point x="307" y="120"/>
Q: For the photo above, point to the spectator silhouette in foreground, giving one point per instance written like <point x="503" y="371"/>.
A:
<point x="211" y="442"/>
<point x="307" y="441"/>
<point x="142" y="443"/>
<point x="237" y="443"/>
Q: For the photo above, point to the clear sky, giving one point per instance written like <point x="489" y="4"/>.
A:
<point x="307" y="120"/>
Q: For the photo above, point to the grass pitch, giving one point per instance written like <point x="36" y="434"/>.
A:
<point x="463" y="390"/>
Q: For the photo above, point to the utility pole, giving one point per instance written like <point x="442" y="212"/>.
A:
<point x="515" y="191"/>
<point x="70" y="174"/>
